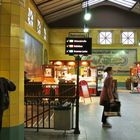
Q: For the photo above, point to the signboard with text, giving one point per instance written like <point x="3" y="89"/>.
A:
<point x="78" y="46"/>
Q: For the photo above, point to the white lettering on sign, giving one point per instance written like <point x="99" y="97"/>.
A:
<point x="78" y="46"/>
<point x="80" y="41"/>
<point x="77" y="51"/>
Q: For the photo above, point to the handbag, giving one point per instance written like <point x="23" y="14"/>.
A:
<point x="114" y="109"/>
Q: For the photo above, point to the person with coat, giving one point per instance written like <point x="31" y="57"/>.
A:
<point x="106" y="96"/>
<point x="5" y="86"/>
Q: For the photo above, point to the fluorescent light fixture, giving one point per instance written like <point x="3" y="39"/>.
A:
<point x="91" y="2"/>
<point x="125" y="3"/>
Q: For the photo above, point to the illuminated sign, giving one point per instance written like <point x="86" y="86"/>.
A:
<point x="78" y="46"/>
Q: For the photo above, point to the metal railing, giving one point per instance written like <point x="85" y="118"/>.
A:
<point x="40" y="108"/>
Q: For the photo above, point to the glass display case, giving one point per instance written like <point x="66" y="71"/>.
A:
<point x="99" y="79"/>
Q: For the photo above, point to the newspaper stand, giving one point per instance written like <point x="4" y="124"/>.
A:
<point x="84" y="90"/>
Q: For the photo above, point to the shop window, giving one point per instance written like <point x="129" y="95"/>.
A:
<point x="105" y="37"/>
<point x="45" y="34"/>
<point x="30" y="17"/>
<point x="127" y="37"/>
<point x="38" y="26"/>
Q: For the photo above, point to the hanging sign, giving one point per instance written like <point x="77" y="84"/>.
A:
<point x="78" y="46"/>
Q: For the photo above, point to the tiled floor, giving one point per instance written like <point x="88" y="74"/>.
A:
<point x="126" y="127"/>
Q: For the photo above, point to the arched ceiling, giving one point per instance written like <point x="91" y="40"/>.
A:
<point x="105" y="13"/>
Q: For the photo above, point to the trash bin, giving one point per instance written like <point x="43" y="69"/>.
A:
<point x="63" y="117"/>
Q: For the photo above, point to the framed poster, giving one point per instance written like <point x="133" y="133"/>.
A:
<point x="48" y="72"/>
<point x="33" y="56"/>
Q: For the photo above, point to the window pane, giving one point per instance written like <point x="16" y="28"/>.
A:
<point x="38" y="26"/>
<point x="30" y="17"/>
<point x="45" y="33"/>
<point x="125" y="3"/>
<point x="91" y="2"/>
<point x="105" y="37"/>
<point x="128" y="37"/>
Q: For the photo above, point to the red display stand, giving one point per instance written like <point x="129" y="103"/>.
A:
<point x="84" y="90"/>
<point x="46" y="90"/>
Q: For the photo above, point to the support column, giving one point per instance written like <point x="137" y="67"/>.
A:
<point x="77" y="131"/>
<point x="12" y="20"/>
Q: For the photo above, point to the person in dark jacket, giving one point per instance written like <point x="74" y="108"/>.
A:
<point x="106" y="96"/>
<point x="5" y="86"/>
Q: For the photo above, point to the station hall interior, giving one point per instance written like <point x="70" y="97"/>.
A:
<point x="47" y="47"/>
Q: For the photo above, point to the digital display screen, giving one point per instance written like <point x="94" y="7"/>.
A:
<point x="78" y="46"/>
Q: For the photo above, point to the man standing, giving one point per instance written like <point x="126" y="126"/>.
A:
<point x="5" y="86"/>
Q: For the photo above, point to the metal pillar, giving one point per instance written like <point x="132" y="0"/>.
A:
<point x="77" y="131"/>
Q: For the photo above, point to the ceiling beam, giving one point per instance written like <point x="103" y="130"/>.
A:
<point x="62" y="9"/>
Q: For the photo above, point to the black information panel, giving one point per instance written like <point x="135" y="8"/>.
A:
<point x="78" y="46"/>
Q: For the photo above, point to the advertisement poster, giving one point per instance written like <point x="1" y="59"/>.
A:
<point x="120" y="60"/>
<point x="32" y="56"/>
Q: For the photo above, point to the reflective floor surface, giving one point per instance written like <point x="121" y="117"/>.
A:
<point x="126" y="127"/>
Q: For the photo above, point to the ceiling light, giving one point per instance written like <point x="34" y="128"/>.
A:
<point x="86" y="29"/>
<point x="87" y="15"/>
